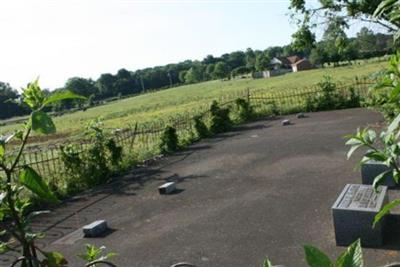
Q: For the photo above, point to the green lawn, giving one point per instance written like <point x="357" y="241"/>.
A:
<point x="187" y="99"/>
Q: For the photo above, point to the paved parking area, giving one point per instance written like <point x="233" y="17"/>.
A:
<point x="261" y="190"/>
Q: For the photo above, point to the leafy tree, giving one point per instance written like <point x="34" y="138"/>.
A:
<point x="182" y="75"/>
<point x="125" y="82"/>
<point x="262" y="62"/>
<point x="8" y="102"/>
<point x="105" y="83"/>
<point x="194" y="74"/>
<point x="250" y="59"/>
<point x="209" y="59"/>
<point x="343" y="12"/>
<point x="303" y="40"/>
<point x="81" y="86"/>
<point x="221" y="70"/>
<point x="209" y="72"/>
<point x="366" y="40"/>
<point x="236" y="59"/>
<point x="318" y="55"/>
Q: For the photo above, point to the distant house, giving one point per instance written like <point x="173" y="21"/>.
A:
<point x="303" y="64"/>
<point x="282" y="65"/>
<point x="290" y="64"/>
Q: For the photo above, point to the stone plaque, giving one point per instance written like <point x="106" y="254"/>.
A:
<point x="354" y="212"/>
<point x="360" y="197"/>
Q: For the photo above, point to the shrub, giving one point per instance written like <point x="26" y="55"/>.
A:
<point x="330" y="98"/>
<point x="115" y="152"/>
<point x="220" y="121"/>
<point x="200" y="127"/>
<point x="92" y="166"/>
<point x="169" y="140"/>
<point x="245" y="110"/>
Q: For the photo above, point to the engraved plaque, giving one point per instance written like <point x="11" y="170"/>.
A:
<point x="354" y="212"/>
<point x="359" y="197"/>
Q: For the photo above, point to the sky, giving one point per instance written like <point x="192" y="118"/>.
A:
<point x="59" y="39"/>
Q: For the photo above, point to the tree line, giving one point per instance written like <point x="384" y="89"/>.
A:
<point x="334" y="47"/>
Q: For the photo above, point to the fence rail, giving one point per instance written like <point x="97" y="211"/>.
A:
<point x="145" y="137"/>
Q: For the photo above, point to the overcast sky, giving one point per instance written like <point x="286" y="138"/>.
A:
<point x="60" y="39"/>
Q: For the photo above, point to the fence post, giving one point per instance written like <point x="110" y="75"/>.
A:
<point x="248" y="95"/>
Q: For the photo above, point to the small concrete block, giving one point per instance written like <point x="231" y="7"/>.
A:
<point x="372" y="169"/>
<point x="354" y="212"/>
<point x="300" y="115"/>
<point x="285" y="122"/>
<point x="167" y="188"/>
<point x="95" y="229"/>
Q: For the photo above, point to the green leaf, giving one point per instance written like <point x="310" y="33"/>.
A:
<point x="352" y="149"/>
<point x="55" y="97"/>
<point x="316" y="258"/>
<point x="2" y="149"/>
<point x="42" y="123"/>
<point x="352" y="257"/>
<point x="378" y="180"/>
<point x="35" y="183"/>
<point x="267" y="263"/>
<point x="33" y="96"/>
<point x="385" y="210"/>
<point x="353" y="141"/>
<point x="3" y="247"/>
<point x="376" y="156"/>
<point x="2" y="197"/>
<point x="53" y="259"/>
<point x="394" y="124"/>
<point x="394" y="94"/>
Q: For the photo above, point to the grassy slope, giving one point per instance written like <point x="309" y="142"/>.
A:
<point x="181" y="99"/>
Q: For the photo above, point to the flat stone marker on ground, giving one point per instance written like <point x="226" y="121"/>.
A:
<point x="372" y="169"/>
<point x="167" y="188"/>
<point x="95" y="229"/>
<point x="300" y="115"/>
<point x="285" y="122"/>
<point x="354" y="212"/>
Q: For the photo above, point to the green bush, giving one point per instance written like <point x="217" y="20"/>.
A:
<point x="169" y="140"/>
<point x="92" y="166"/>
<point x="220" y="120"/>
<point x="200" y="127"/>
<point x="329" y="98"/>
<point x="245" y="111"/>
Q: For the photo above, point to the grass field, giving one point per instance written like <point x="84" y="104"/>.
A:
<point x="189" y="98"/>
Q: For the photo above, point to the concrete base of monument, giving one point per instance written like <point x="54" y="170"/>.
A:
<point x="354" y="212"/>
<point x="372" y="169"/>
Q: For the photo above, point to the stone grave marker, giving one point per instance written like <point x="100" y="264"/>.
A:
<point x="372" y="169"/>
<point x="354" y="212"/>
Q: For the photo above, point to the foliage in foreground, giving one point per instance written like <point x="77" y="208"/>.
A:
<point x="20" y="183"/>
<point x="93" y="253"/>
<point x="383" y="148"/>
<point x="351" y="257"/>
<point x="385" y="96"/>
